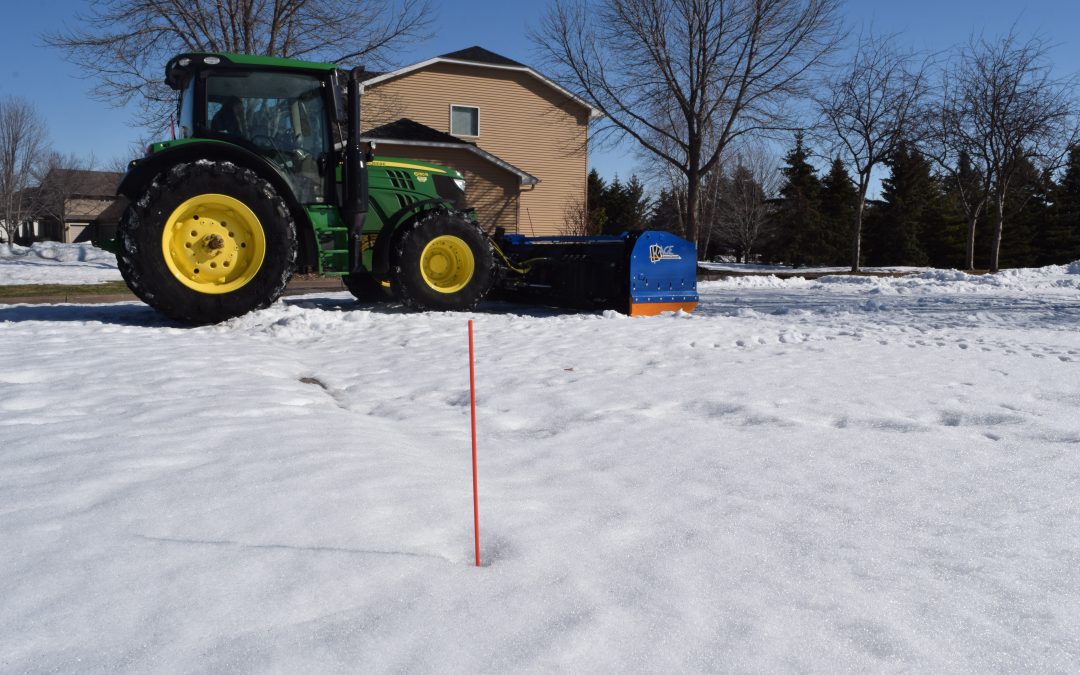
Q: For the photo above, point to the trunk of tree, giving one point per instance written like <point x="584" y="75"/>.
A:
<point x="692" y="197"/>
<point x="705" y="248"/>
<point x="856" y="239"/>
<point x="972" y="221"/>
<point x="999" y="225"/>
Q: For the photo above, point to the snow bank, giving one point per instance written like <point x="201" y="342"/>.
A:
<point x="756" y="281"/>
<point x="804" y="476"/>
<point x="924" y="282"/>
<point x="56" y="263"/>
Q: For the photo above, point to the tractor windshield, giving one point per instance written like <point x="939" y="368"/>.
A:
<point x="281" y="114"/>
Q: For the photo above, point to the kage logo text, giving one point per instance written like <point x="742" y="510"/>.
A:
<point x="658" y="253"/>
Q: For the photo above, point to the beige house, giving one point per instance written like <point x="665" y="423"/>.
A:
<point x="519" y="138"/>
<point x="74" y="204"/>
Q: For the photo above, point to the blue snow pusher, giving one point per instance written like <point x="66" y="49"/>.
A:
<point x="636" y="273"/>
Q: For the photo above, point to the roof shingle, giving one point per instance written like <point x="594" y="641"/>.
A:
<point x="406" y="129"/>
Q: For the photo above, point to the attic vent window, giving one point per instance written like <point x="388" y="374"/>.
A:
<point x="464" y="120"/>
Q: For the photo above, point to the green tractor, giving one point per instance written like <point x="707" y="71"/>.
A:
<point x="268" y="174"/>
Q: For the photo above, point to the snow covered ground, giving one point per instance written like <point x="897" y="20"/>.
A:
<point x="51" y="262"/>
<point x="846" y="474"/>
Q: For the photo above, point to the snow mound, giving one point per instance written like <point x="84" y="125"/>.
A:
<point x="917" y="283"/>
<point x="764" y="281"/>
<point x="52" y="262"/>
<point x="57" y="252"/>
<point x="946" y="275"/>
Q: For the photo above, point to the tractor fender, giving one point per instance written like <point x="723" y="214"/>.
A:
<point x="141" y="172"/>
<point x="380" y="258"/>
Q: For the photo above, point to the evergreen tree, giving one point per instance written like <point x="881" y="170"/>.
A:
<point x="1058" y="240"/>
<point x="963" y="210"/>
<point x="595" y="213"/>
<point x="798" y="216"/>
<point x="911" y="210"/>
<point x="943" y="236"/>
<point x="1029" y="210"/>
<point x="639" y="205"/>
<point x="666" y="213"/>
<point x="625" y="206"/>
<point x="839" y="199"/>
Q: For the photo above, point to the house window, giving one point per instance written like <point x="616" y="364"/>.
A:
<point x="464" y="120"/>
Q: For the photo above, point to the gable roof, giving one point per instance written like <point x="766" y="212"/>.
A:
<point x="83" y="182"/>
<point x="478" y="54"/>
<point x="407" y="129"/>
<point x="482" y="58"/>
<point x="408" y="132"/>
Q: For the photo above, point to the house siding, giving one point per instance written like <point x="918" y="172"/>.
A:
<point x="522" y="121"/>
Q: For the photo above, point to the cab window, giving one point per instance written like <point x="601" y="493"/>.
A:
<point x="280" y="114"/>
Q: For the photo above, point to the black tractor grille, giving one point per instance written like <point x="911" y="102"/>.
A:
<point x="446" y="188"/>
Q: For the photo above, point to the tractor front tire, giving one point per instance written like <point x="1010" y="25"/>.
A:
<point x="442" y="262"/>
<point x="207" y="241"/>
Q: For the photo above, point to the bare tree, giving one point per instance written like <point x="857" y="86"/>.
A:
<point x="23" y="139"/>
<point x="576" y="218"/>
<point x="124" y="44"/>
<point x="743" y="206"/>
<point x="967" y="172"/>
<point x="685" y="78"/>
<point x="870" y="108"/>
<point x="1004" y="106"/>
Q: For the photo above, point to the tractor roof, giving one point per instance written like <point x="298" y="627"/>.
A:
<point x="178" y="67"/>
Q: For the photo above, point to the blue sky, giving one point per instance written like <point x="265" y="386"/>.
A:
<point x="82" y="125"/>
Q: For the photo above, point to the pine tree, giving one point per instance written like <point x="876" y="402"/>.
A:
<point x="1029" y="210"/>
<point x="666" y="213"/>
<point x="625" y="206"/>
<point x="963" y="209"/>
<point x="943" y="236"/>
<point x="1058" y="240"/>
<point x="911" y="211"/>
<point x="596" y="215"/>
<point x="839" y="199"/>
<point x="638" y="203"/>
<point x="798" y="217"/>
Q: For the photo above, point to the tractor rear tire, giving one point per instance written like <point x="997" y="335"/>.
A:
<point x="442" y="262"/>
<point x="207" y="241"/>
<point x="366" y="288"/>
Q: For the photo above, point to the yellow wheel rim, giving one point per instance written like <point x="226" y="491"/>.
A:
<point x="447" y="264"/>
<point x="213" y="244"/>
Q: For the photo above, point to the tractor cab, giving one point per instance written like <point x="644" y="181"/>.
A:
<point x="279" y="112"/>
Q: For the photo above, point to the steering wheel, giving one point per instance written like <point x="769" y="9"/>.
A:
<point x="266" y="143"/>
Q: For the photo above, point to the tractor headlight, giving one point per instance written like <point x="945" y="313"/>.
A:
<point x="460" y="182"/>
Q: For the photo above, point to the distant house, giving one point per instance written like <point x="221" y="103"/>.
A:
<point x="519" y="138"/>
<point x="75" y="203"/>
